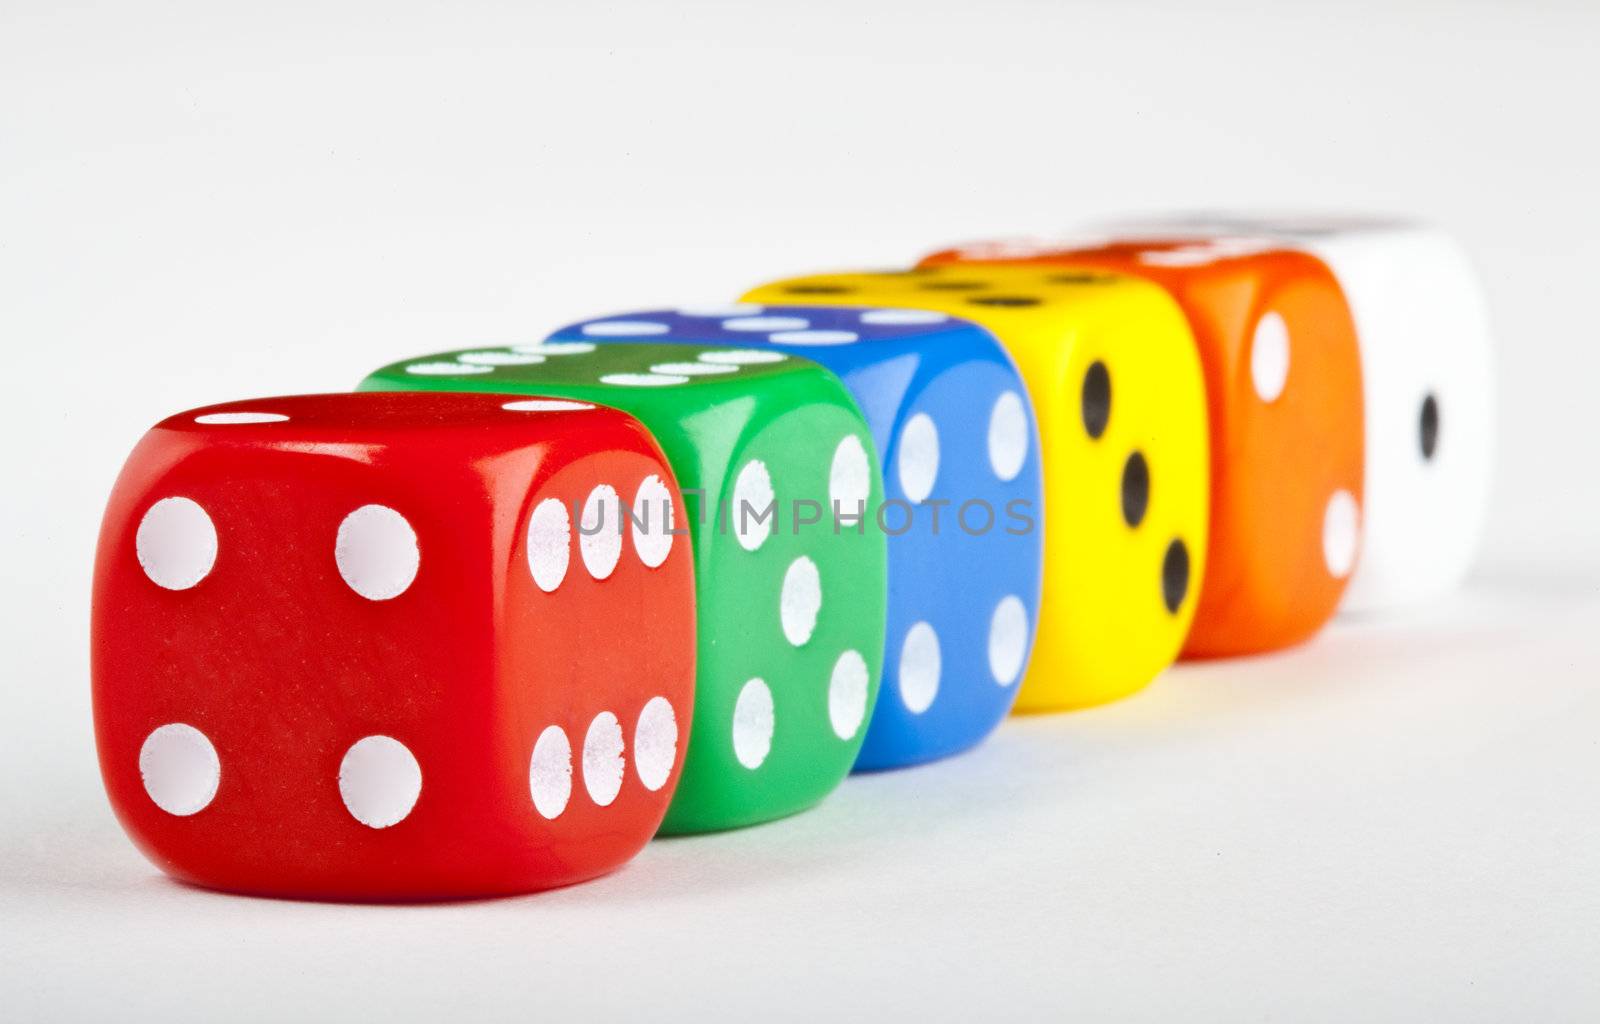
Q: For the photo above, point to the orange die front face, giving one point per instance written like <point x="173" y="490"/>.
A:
<point x="1283" y="381"/>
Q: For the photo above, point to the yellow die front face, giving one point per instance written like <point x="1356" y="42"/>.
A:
<point x="1120" y="576"/>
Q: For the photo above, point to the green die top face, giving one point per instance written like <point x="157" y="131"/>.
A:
<point x="790" y="608"/>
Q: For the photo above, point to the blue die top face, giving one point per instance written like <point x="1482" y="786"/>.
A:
<point x="963" y="507"/>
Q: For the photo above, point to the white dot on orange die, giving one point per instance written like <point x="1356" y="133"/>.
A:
<point x="643" y="380"/>
<point x="624" y="329"/>
<point x="801" y="600"/>
<point x="1008" y="435"/>
<point x="655" y="743"/>
<point x="602" y="759"/>
<point x="500" y="358"/>
<point x="1341" y="533"/>
<point x="379" y="781"/>
<point x="446" y="369"/>
<point x="742" y="356"/>
<point x="917" y="463"/>
<point x="902" y="317"/>
<point x="546" y="405"/>
<point x="652" y="521"/>
<point x="752" y="512"/>
<point x="920" y="667"/>
<point x="766" y="324"/>
<point x="176" y="543"/>
<point x="849" y="478"/>
<point x="550" y="772"/>
<point x="847" y="694"/>
<point x="600" y="531"/>
<point x="376" y="551"/>
<point x="814" y="337"/>
<point x="1269" y="356"/>
<point x="753" y="723"/>
<point x="215" y="419"/>
<point x="179" y="768"/>
<point x="549" y="543"/>
<point x="1008" y="639"/>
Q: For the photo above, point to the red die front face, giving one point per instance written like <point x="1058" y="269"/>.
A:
<point x="386" y="646"/>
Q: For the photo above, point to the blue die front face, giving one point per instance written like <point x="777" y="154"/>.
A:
<point x="963" y="507"/>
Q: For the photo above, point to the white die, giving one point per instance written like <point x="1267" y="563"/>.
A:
<point x="1424" y="335"/>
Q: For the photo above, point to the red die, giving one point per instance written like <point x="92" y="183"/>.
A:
<point x="393" y="646"/>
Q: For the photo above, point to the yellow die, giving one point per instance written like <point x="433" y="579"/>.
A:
<point x="1118" y="392"/>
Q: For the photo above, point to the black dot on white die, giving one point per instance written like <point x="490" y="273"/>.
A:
<point x="1175" y="575"/>
<point x="1005" y="300"/>
<point x="1135" y="489"/>
<point x="818" y="289"/>
<point x="1428" y="426"/>
<point x="1096" y="399"/>
<point x="953" y="286"/>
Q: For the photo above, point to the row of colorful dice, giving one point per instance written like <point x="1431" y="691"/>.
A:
<point x="454" y="638"/>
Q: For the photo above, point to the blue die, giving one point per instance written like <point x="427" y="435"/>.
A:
<point x="963" y="507"/>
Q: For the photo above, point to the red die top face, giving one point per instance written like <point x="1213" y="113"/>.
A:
<point x="361" y="647"/>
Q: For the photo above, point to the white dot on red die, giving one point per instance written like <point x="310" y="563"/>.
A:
<point x="176" y="543"/>
<point x="379" y="781"/>
<point x="437" y="369"/>
<point x="1269" y="357"/>
<point x="920" y="667"/>
<point x="752" y="511"/>
<point x="847" y="694"/>
<point x="766" y="324"/>
<point x="753" y="722"/>
<point x="549" y="543"/>
<point x="1008" y="435"/>
<point x="545" y="405"/>
<point x="652" y="521"/>
<point x="902" y="317"/>
<point x="602" y="759"/>
<point x="215" y="419"/>
<point x="600" y="531"/>
<point x="376" y="551"/>
<point x="550" y="772"/>
<point x="1341" y="533"/>
<point x="655" y="743"/>
<point x="801" y="600"/>
<point x="180" y="769"/>
<point x="849" y="478"/>
<point x="624" y="329"/>
<point x="917" y="462"/>
<point x="1008" y="639"/>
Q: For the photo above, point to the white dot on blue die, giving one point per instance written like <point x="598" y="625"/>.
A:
<point x="766" y="324"/>
<point x="815" y="337"/>
<point x="624" y="329"/>
<point x="902" y="317"/>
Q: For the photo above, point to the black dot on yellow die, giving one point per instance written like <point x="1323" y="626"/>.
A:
<point x="819" y="289"/>
<point x="1078" y="277"/>
<point x="1175" y="575"/>
<point x="1428" y="426"/>
<point x="1135" y="489"/>
<point x="1096" y="399"/>
<point x="953" y="286"/>
<point x="1005" y="300"/>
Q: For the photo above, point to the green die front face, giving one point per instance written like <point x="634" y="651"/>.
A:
<point x="790" y="613"/>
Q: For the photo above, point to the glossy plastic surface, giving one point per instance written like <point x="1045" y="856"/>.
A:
<point x="964" y="542"/>
<point x="318" y="641"/>
<point x="1117" y="594"/>
<point x="791" y="615"/>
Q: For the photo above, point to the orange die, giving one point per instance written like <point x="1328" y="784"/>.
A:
<point x="1283" y="382"/>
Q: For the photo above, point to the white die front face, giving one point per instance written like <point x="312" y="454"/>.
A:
<point x="1424" y="334"/>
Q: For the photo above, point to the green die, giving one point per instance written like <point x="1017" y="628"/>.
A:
<point x="790" y="613"/>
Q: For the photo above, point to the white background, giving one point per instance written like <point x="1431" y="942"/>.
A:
<point x="1399" y="821"/>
